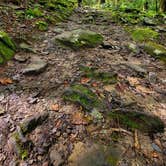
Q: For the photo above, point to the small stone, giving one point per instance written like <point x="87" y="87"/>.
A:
<point x="148" y="21"/>
<point x="133" y="47"/>
<point x="26" y="47"/>
<point x="56" y="158"/>
<point x="31" y="123"/>
<point x="45" y="164"/>
<point x="2" y="111"/>
<point x="30" y="161"/>
<point x="20" y="58"/>
<point x="36" y="66"/>
<point x="156" y="148"/>
<point x="152" y="77"/>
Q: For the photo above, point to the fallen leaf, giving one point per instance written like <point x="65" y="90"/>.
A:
<point x="121" y="87"/>
<point x="58" y="124"/>
<point x="54" y="107"/>
<point x="94" y="84"/>
<point x="5" y="81"/>
<point x="85" y="80"/>
<point x="154" y="155"/>
<point x="136" y="142"/>
<point x="133" y="81"/>
<point x="142" y="89"/>
<point x="109" y="88"/>
<point x="79" y="119"/>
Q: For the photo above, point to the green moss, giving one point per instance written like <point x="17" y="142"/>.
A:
<point x="7" y="40"/>
<point x="138" y="120"/>
<point x="7" y="47"/>
<point x="6" y="53"/>
<point x="22" y="151"/>
<point x="112" y="160"/>
<point x="1" y="60"/>
<point x="79" y="39"/>
<point x="156" y="50"/>
<point x="105" y="77"/>
<point x="82" y="95"/>
<point x="144" y="34"/>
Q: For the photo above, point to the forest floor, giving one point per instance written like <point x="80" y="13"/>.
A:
<point x="70" y="135"/>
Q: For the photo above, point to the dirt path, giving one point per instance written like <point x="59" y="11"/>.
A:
<point x="141" y="83"/>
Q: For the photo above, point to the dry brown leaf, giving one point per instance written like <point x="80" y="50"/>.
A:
<point x="133" y="81"/>
<point x="121" y="87"/>
<point x="5" y="81"/>
<point x="58" y="123"/>
<point x="94" y="84"/>
<point x="142" y="89"/>
<point x="85" y="80"/>
<point x="154" y="155"/>
<point x="54" y="107"/>
<point x="136" y="142"/>
<point x="79" y="119"/>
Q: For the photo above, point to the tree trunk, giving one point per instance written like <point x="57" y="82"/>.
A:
<point x="163" y="5"/>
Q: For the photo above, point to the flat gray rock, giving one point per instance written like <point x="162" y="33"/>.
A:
<point x="36" y="66"/>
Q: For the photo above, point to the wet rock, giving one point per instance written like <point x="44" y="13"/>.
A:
<point x="18" y="144"/>
<point x="31" y="123"/>
<point x="137" y="68"/>
<point x="82" y="95"/>
<point x="156" y="148"/>
<point x="26" y="47"/>
<point x="58" y="30"/>
<point x="36" y="66"/>
<point x="156" y="50"/>
<point x="148" y="21"/>
<point x="91" y="154"/>
<point x="138" y="120"/>
<point x="20" y="58"/>
<point x="79" y="38"/>
<point x="161" y="28"/>
<point x="106" y="45"/>
<point x="56" y="158"/>
<point x="152" y="77"/>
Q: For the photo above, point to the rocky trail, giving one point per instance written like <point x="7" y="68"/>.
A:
<point x="100" y="106"/>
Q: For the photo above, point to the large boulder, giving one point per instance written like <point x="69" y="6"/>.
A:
<point x="79" y="38"/>
<point x="7" y="47"/>
<point x="156" y="50"/>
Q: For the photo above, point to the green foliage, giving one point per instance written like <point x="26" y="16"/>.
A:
<point x="144" y="34"/>
<point x="35" y="12"/>
<point x="41" y="25"/>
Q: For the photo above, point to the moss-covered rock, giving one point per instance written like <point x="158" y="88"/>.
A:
<point x="79" y="38"/>
<point x="138" y="120"/>
<point x="144" y="34"/>
<point x="82" y="95"/>
<point x="20" y="145"/>
<point x="7" y="47"/>
<point x="156" y="50"/>
<point x="31" y="123"/>
<point x="104" y="77"/>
